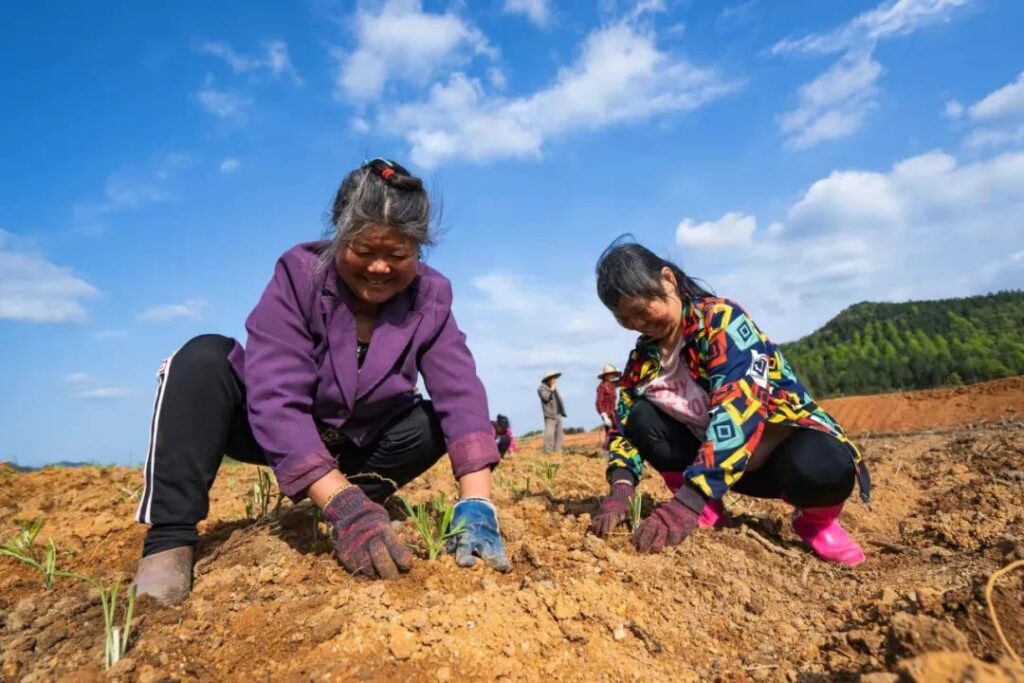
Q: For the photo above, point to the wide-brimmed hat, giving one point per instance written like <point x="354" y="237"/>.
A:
<point x="609" y="369"/>
<point x="550" y="374"/>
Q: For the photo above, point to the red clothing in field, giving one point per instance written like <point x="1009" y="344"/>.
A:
<point x="606" y="398"/>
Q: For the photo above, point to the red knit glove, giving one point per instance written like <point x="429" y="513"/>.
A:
<point x="363" y="539"/>
<point x="614" y="509"/>
<point x="668" y="525"/>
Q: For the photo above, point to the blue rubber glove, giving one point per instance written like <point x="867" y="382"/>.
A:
<point x="480" y="535"/>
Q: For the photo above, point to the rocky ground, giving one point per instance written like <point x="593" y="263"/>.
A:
<point x="743" y="603"/>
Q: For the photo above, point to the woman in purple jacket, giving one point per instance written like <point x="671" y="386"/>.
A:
<point x="325" y="393"/>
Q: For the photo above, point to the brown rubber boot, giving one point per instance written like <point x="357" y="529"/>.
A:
<point x="166" y="575"/>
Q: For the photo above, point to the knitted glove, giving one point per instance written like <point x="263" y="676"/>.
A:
<point x="670" y="523"/>
<point x="363" y="539"/>
<point x="480" y="535"/>
<point x="614" y="509"/>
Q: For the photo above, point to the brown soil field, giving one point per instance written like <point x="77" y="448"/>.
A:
<point x="748" y="602"/>
<point x="977" y="404"/>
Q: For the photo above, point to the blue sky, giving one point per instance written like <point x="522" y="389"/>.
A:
<point x="799" y="157"/>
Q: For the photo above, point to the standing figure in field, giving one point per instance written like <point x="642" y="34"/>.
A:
<point x="324" y="393"/>
<point x="607" y="397"/>
<point x="503" y="436"/>
<point x="554" y="410"/>
<point x="709" y="401"/>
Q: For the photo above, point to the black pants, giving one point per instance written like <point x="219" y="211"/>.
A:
<point x="504" y="441"/>
<point x="808" y="469"/>
<point x="200" y="416"/>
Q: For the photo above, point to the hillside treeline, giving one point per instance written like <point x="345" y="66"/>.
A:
<point x="875" y="347"/>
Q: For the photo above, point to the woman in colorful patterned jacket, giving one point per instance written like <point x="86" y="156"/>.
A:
<point x="709" y="401"/>
<point x="325" y="393"/>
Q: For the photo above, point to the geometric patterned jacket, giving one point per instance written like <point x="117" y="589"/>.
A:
<point x="749" y="383"/>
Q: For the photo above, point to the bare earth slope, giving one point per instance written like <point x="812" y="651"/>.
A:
<point x="742" y="603"/>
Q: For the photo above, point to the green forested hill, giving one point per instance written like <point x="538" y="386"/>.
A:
<point x="871" y="348"/>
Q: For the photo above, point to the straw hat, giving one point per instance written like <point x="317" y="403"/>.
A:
<point x="609" y="369"/>
<point x="550" y="374"/>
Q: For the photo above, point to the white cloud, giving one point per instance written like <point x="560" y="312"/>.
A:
<point x="131" y="189"/>
<point x="736" y="15"/>
<point x="519" y="328"/>
<point x="645" y="7"/>
<point x="995" y="137"/>
<point x="497" y="78"/>
<point x="997" y="118"/>
<point x="191" y="309"/>
<point x="1006" y="102"/>
<point x="733" y="230"/>
<point x="221" y="103"/>
<point x="360" y="125"/>
<point x="537" y="11"/>
<point x="274" y="63"/>
<point x="890" y="19"/>
<point x="32" y="289"/>
<point x="928" y="227"/>
<point x="620" y="76"/>
<point x="230" y="165"/>
<point x="399" y="41"/>
<point x="953" y="110"/>
<point x="1005" y="272"/>
<point x="86" y="387"/>
<point x="835" y="104"/>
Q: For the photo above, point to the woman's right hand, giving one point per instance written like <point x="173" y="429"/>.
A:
<point x="362" y="535"/>
<point x="614" y="509"/>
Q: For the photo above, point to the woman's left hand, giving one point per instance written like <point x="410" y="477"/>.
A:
<point x="668" y="525"/>
<point x="480" y="535"/>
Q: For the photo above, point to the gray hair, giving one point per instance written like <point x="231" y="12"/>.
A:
<point x="378" y="193"/>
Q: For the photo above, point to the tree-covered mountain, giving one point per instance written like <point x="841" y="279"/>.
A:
<point x="871" y="347"/>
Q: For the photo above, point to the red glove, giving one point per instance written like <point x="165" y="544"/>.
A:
<point x="614" y="509"/>
<point x="362" y="535"/>
<point x="668" y="525"/>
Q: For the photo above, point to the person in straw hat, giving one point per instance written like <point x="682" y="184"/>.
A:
<point x="554" y="410"/>
<point x="607" y="397"/>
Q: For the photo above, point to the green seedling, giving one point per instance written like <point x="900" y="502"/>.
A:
<point x="505" y="483"/>
<point x="439" y="505"/>
<point x="318" y="517"/>
<point x="520" y="492"/>
<point x="636" y="504"/>
<point x="116" y="634"/>
<point x="131" y="493"/>
<point x="22" y="542"/>
<point x="22" y="548"/>
<point x="257" y="502"/>
<point x="433" y="522"/>
<point x="547" y="472"/>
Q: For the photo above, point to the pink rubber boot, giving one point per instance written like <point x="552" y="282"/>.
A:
<point x="820" y="528"/>
<point x="714" y="513"/>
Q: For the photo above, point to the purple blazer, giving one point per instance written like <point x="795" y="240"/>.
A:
<point x="304" y="387"/>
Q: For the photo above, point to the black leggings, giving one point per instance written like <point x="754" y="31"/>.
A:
<point x="200" y="416"/>
<point x="808" y="469"/>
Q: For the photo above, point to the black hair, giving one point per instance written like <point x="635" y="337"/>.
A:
<point x="629" y="269"/>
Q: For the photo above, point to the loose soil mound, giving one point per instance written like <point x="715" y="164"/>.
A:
<point x="743" y="603"/>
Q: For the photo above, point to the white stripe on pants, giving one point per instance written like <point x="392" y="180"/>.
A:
<point x="144" y="513"/>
